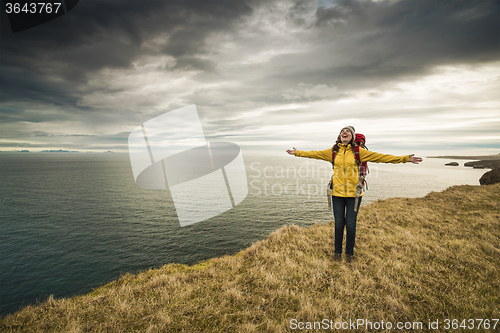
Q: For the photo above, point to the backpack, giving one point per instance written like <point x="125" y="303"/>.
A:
<point x="360" y="141"/>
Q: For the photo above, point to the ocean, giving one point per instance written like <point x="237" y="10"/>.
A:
<point x="72" y="222"/>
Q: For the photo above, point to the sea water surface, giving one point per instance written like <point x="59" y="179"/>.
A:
<point x="71" y="222"/>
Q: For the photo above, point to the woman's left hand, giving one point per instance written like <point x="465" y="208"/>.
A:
<point x="414" y="159"/>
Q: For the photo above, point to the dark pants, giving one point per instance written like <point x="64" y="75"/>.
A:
<point x="345" y="216"/>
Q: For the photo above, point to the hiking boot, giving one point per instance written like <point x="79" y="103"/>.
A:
<point x="349" y="258"/>
<point x="337" y="257"/>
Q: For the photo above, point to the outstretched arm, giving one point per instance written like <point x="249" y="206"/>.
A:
<point x="370" y="156"/>
<point x="317" y="154"/>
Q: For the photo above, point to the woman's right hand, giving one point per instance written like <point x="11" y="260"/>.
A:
<point x="291" y="151"/>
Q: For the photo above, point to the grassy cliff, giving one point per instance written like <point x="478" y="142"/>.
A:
<point x="416" y="260"/>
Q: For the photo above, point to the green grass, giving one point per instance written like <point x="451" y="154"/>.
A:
<point x="416" y="260"/>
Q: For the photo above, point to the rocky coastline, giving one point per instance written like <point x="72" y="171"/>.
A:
<point x="482" y="162"/>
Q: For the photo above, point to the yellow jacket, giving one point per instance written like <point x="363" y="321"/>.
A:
<point x="345" y="173"/>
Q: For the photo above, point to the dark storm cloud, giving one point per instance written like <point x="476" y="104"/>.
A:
<point x="341" y="12"/>
<point x="356" y="45"/>
<point x="56" y="57"/>
<point x="369" y="43"/>
<point x="14" y="114"/>
<point x="194" y="63"/>
<point x="127" y="22"/>
<point x="453" y="31"/>
<point x="360" y="44"/>
<point x="404" y="36"/>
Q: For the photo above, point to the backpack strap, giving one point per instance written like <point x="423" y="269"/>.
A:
<point x="330" y="184"/>
<point x="361" y="174"/>
<point x="356" y="155"/>
<point x="334" y="154"/>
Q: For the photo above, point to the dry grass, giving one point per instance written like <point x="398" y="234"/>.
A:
<point x="435" y="257"/>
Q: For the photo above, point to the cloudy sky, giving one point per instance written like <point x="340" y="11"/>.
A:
<point x="415" y="76"/>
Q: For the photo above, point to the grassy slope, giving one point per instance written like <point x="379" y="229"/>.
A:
<point x="435" y="257"/>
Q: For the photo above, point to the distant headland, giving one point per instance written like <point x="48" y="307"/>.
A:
<point x="484" y="157"/>
<point x="59" y="151"/>
<point x="53" y="151"/>
<point x="481" y="162"/>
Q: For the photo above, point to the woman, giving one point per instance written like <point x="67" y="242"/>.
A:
<point x="345" y="182"/>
